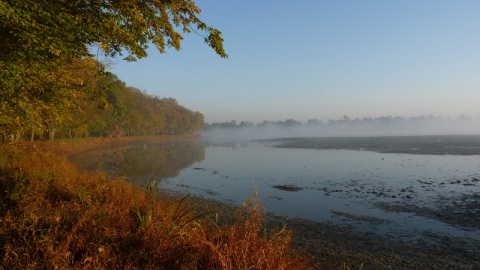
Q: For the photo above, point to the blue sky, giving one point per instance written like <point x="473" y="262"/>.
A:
<point x="323" y="59"/>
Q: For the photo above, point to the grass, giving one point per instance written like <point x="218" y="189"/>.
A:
<point x="53" y="216"/>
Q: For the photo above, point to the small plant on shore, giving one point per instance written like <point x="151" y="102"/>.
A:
<point x="247" y="244"/>
<point x="145" y="217"/>
<point x="348" y="265"/>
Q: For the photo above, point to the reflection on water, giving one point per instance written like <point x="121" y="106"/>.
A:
<point x="401" y="195"/>
<point x="143" y="161"/>
<point x="343" y="186"/>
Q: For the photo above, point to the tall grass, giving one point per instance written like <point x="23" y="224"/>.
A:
<point x="53" y="216"/>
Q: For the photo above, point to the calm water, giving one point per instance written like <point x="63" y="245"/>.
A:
<point x="343" y="187"/>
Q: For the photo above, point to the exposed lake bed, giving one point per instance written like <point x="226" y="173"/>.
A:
<point x="449" y="203"/>
<point x="452" y="197"/>
<point x="358" y="198"/>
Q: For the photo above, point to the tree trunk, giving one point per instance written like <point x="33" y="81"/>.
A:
<point x="32" y="135"/>
<point x="51" y="134"/>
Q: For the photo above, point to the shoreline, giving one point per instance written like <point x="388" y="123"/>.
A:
<point x="329" y="246"/>
<point x="54" y="215"/>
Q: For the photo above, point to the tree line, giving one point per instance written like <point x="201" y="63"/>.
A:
<point x="81" y="100"/>
<point x="51" y="85"/>
<point x="360" y="126"/>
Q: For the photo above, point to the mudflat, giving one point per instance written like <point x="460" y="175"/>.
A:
<point x="331" y="247"/>
<point x="333" y="244"/>
<point x="422" y="145"/>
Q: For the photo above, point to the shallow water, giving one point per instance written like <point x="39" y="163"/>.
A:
<point x="344" y="187"/>
<point x="338" y="186"/>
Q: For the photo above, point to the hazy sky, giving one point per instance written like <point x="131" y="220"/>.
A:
<point x="323" y="59"/>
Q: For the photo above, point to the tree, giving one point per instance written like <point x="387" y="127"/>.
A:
<point x="51" y="100"/>
<point x="39" y="38"/>
<point x="49" y="29"/>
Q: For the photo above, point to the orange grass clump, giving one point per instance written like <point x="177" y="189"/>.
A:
<point x="53" y="216"/>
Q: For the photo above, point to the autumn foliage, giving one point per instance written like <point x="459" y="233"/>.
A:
<point x="56" y="217"/>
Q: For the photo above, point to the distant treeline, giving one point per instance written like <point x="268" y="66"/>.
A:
<point x="82" y="100"/>
<point x="384" y="125"/>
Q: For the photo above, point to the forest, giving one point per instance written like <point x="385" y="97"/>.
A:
<point x="118" y="110"/>
<point x="52" y="84"/>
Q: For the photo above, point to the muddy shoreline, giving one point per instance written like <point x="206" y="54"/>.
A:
<point x="332" y="243"/>
<point x="421" y="145"/>
<point x="330" y="246"/>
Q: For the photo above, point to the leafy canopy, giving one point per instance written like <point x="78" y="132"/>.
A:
<point x="44" y="50"/>
<point x="42" y="30"/>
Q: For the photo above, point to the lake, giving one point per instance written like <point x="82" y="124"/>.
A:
<point x="400" y="187"/>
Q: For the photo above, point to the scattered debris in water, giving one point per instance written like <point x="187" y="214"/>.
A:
<point x="287" y="187"/>
<point x="211" y="192"/>
<point x="424" y="182"/>
<point x="369" y="219"/>
<point x="276" y="197"/>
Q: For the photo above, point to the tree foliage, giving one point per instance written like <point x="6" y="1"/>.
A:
<point x="122" y="111"/>
<point x="49" y="29"/>
<point x="47" y="75"/>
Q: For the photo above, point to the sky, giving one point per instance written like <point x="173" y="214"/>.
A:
<point x="318" y="59"/>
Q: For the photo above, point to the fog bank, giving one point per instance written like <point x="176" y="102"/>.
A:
<point x="366" y="127"/>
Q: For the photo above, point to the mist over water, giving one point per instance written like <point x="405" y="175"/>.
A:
<point x="366" y="127"/>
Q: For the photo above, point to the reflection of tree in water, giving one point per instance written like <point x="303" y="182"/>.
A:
<point x="149" y="160"/>
<point x="160" y="160"/>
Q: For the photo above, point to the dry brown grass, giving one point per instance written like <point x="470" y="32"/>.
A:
<point x="53" y="216"/>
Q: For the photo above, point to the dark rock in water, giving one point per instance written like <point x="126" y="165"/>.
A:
<point x="287" y="187"/>
<point x="424" y="182"/>
<point x="211" y="192"/>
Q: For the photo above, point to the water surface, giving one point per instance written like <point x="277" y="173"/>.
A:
<point x="401" y="195"/>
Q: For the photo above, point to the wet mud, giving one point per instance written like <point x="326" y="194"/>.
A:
<point x="331" y="246"/>
<point x="461" y="211"/>
<point x="455" y="202"/>
<point x="422" y="145"/>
